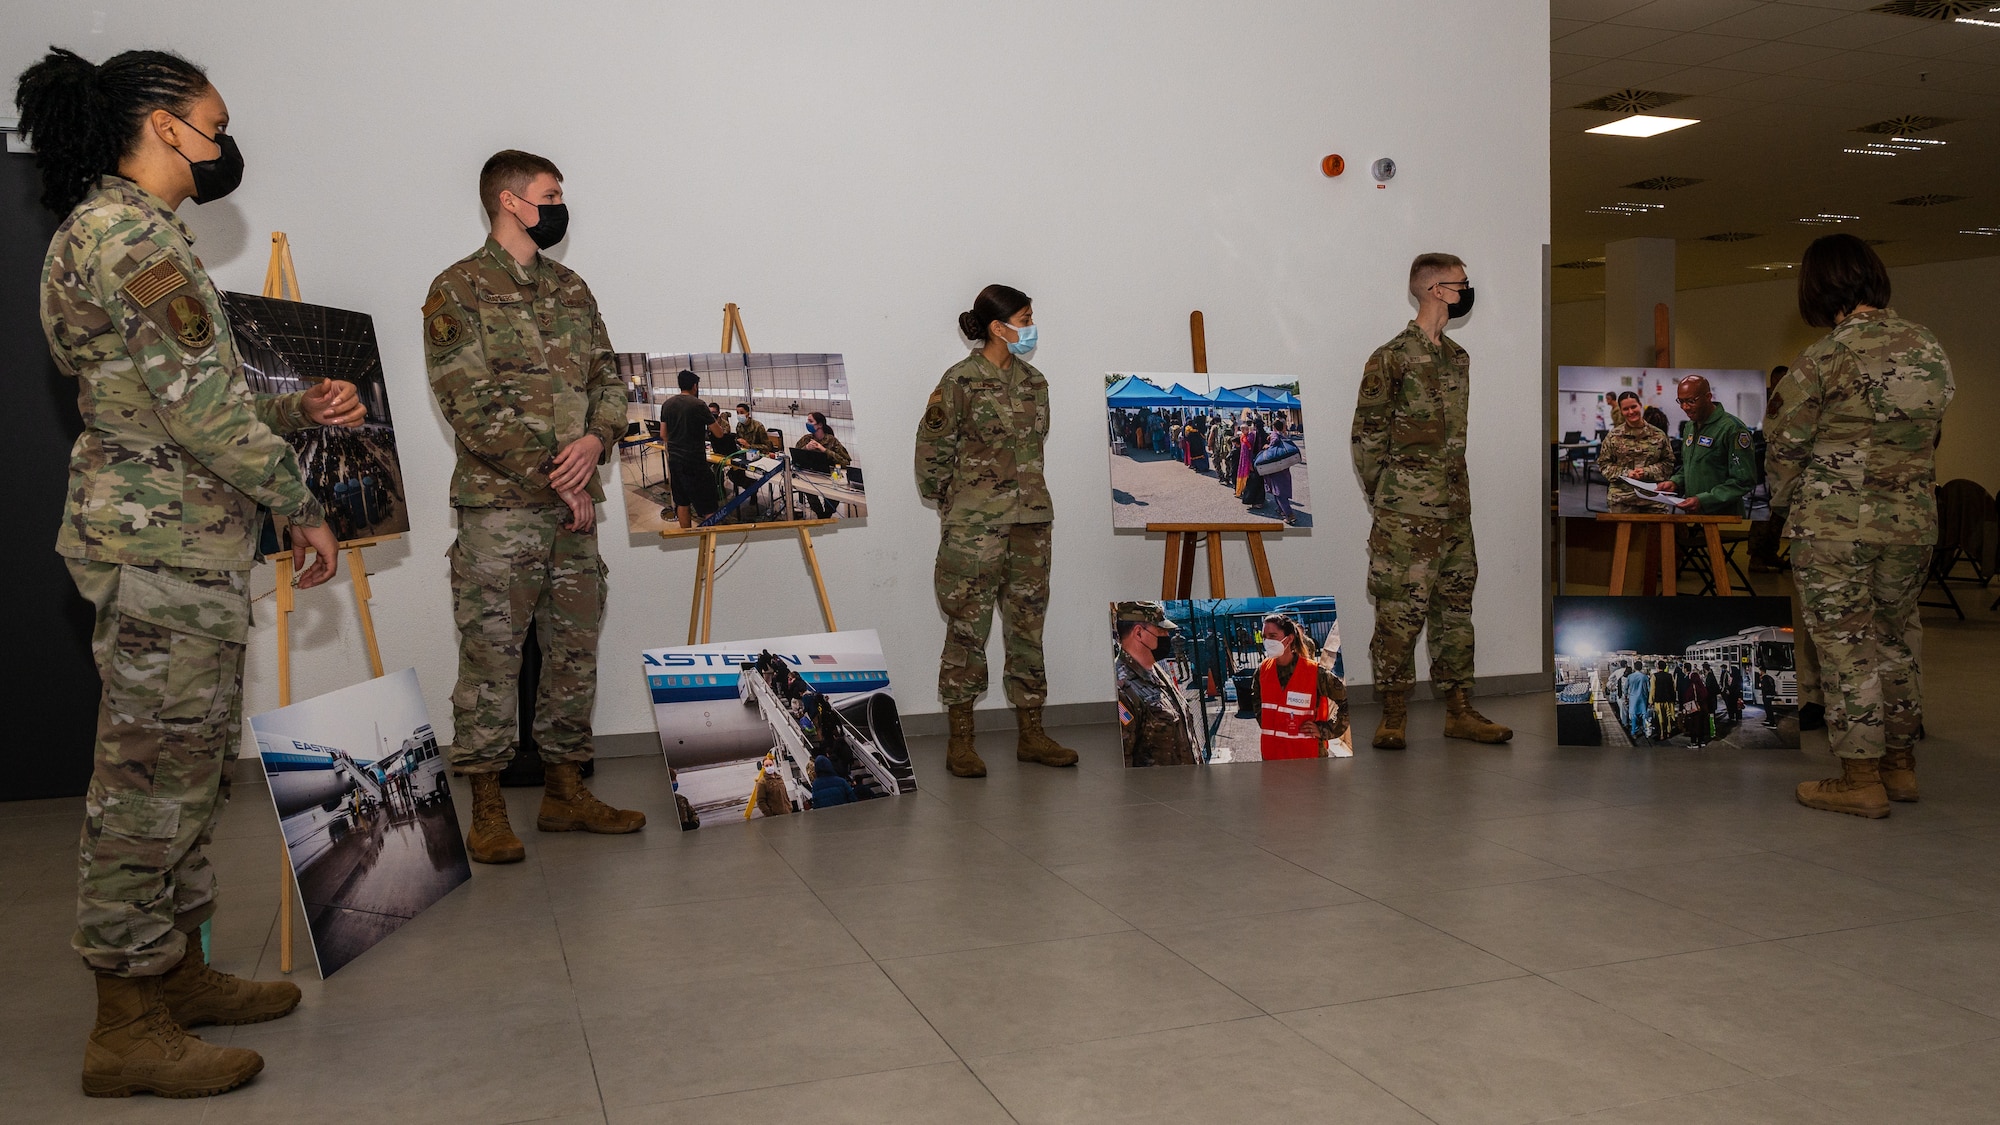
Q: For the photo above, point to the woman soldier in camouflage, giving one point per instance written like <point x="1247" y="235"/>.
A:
<point x="1633" y="449"/>
<point x="1852" y="434"/>
<point x="165" y="482"/>
<point x="979" y="457"/>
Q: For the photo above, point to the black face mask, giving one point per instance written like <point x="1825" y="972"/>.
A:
<point x="215" y="178"/>
<point x="1461" y="306"/>
<point x="551" y="224"/>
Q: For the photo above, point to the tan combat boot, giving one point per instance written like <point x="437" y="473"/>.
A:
<point x="1390" y="733"/>
<point x="1857" y="791"/>
<point x="1461" y="721"/>
<point x="491" y="839"/>
<point x="1033" y="744"/>
<point x="137" y="1048"/>
<point x="1899" y="774"/>
<point x="959" y="755"/>
<point x="567" y="806"/>
<point x="197" y="994"/>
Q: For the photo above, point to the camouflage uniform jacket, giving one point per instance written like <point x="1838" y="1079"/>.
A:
<point x="753" y="435"/>
<point x="521" y="366"/>
<point x="1718" y="463"/>
<point x="979" y="446"/>
<point x="1409" y="427"/>
<point x="1157" y="728"/>
<point x="1853" y="433"/>
<point x="1645" y="453"/>
<point x="834" y="450"/>
<point x="176" y="453"/>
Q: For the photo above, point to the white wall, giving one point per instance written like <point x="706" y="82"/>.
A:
<point x="1758" y="325"/>
<point x="851" y="175"/>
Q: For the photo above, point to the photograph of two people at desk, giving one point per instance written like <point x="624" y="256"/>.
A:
<point x="737" y="438"/>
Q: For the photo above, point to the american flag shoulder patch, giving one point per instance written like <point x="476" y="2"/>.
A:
<point x="155" y="282"/>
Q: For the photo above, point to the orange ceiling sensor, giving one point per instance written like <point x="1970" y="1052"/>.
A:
<point x="1333" y="165"/>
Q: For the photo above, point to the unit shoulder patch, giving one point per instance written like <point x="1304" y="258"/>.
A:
<point x="934" y="414"/>
<point x="443" y="329"/>
<point x="190" y="323"/>
<point x="1374" y="388"/>
<point x="1743" y="439"/>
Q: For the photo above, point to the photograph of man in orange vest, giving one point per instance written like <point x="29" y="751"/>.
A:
<point x="1302" y="705"/>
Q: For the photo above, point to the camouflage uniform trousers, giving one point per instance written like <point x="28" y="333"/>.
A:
<point x="510" y="567"/>
<point x="1805" y="657"/>
<point x="1859" y="598"/>
<point x="978" y="565"/>
<point x="1421" y="572"/>
<point x="168" y="644"/>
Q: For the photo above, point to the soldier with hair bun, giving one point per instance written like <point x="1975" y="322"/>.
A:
<point x="979" y="458"/>
<point x="1852" y="459"/>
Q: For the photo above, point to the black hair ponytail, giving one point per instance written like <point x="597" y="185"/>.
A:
<point x="995" y="302"/>
<point x="83" y="118"/>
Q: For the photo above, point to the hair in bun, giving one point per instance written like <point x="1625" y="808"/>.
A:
<point x="995" y="302"/>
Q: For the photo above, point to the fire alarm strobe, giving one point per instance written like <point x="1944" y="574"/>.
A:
<point x="1333" y="165"/>
<point x="1385" y="170"/>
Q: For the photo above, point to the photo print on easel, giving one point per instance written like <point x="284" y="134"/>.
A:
<point x="777" y="726"/>
<point x="287" y="346"/>
<point x="1231" y="453"/>
<point x="360" y="786"/>
<point x="1676" y="672"/>
<point x="1197" y="684"/>
<point x="788" y="452"/>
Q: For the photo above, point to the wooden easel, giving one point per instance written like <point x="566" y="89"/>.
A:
<point x="1177" y="575"/>
<point x="1621" y="548"/>
<point x="701" y="615"/>
<point x="281" y="281"/>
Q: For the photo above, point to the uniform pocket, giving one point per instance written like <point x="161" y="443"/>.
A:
<point x="177" y="642"/>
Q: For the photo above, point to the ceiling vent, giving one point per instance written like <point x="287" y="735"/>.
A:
<point x="1905" y="125"/>
<point x="1665" y="183"/>
<point x="1928" y="199"/>
<point x="1940" y="10"/>
<point x="1730" y="236"/>
<point x="1630" y="100"/>
<point x="1582" y="264"/>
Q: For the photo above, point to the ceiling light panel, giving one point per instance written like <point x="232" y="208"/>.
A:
<point x="1827" y="219"/>
<point x="1643" y="125"/>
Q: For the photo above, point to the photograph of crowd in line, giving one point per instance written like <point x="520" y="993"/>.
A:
<point x="360" y="786"/>
<point x="288" y="346"/>
<point x="730" y="437"/>
<point x="1683" y="672"/>
<point x="777" y="726"/>
<point x="1212" y="681"/>
<point x="1232" y="453"/>
<point x="1618" y="422"/>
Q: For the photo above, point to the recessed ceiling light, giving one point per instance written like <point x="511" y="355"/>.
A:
<point x="1643" y="125"/>
<point x="1622" y="208"/>
<point x="1772" y="267"/>
<point x="1985" y="232"/>
<point x="1868" y="152"/>
<point x="1827" y="219"/>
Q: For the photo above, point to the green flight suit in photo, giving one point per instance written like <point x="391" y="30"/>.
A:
<point x="979" y="458"/>
<point x="1718" y="463"/>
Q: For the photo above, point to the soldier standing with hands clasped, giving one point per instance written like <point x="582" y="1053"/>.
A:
<point x="1409" y="450"/>
<point x="159" y="534"/>
<point x="522" y="368"/>
<point x="979" y="458"/>
<point x="1853" y="433"/>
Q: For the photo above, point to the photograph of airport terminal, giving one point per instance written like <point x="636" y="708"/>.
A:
<point x="1231" y="452"/>
<point x="362" y="798"/>
<point x="287" y="346"/>
<point x="777" y="726"/>
<point x="1680" y="671"/>
<point x="788" y="453"/>
<point x="1195" y="686"/>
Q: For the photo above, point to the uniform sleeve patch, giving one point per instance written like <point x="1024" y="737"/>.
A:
<point x="155" y="282"/>
<point x="432" y="306"/>
<point x="934" y="414"/>
<point x="443" y="329"/>
<point x="189" y="321"/>
<point x="1743" y="440"/>
<point x="1374" y="389"/>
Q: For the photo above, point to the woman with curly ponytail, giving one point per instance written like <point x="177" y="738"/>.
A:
<point x="165" y="482"/>
<point x="979" y="457"/>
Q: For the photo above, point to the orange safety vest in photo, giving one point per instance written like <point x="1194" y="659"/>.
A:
<point x="1288" y="710"/>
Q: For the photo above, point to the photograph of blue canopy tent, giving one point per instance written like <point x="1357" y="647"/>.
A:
<point x="1230" y="453"/>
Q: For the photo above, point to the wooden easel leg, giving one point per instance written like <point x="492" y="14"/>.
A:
<point x="1669" y="565"/>
<point x="358" y="568"/>
<point x="1261" y="565"/>
<point x="707" y="585"/>
<point x="1171" y="572"/>
<point x="819" y="581"/>
<point x="700" y="574"/>
<point x="284" y="598"/>
<point x="1184" y="582"/>
<point x="1215" y="582"/>
<point x="1621" y="552"/>
<point x="285" y="907"/>
<point x="1716" y="561"/>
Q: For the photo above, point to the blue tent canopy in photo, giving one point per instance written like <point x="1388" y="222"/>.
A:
<point x="1132" y="392"/>
<point x="1223" y="396"/>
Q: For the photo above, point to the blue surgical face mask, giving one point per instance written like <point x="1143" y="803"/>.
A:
<point x="1027" y="339"/>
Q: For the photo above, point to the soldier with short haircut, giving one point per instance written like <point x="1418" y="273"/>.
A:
<point x="1718" y="464"/>
<point x="161" y="528"/>
<point x="1853" y="434"/>
<point x="1409" y="451"/>
<point x="1156" y="725"/>
<point x="979" y="458"/>
<point x="522" y="368"/>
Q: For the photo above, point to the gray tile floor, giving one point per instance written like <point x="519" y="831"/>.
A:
<point x="1453" y="933"/>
